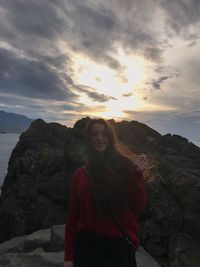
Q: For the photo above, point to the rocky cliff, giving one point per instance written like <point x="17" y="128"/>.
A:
<point x="35" y="191"/>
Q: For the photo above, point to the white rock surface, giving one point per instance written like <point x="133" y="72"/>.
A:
<point x="144" y="259"/>
<point x="16" y="252"/>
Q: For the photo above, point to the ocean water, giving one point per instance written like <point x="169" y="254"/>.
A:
<point x="7" y="143"/>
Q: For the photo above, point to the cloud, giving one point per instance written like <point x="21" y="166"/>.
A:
<point x="92" y="28"/>
<point x="127" y="95"/>
<point x="32" y="78"/>
<point x="156" y="84"/>
<point x="134" y="33"/>
<point x="181" y="11"/>
<point x="42" y="19"/>
<point x="103" y="18"/>
<point x="39" y="38"/>
<point x="91" y="93"/>
<point x="100" y="97"/>
<point x="92" y="32"/>
<point x="65" y="112"/>
<point x="191" y="69"/>
<point x="181" y="16"/>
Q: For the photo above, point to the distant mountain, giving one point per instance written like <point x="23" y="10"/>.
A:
<point x="13" y="123"/>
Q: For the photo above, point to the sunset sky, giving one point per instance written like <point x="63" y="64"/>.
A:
<point x="62" y="60"/>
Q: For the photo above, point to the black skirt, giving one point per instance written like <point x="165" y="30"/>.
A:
<point x="91" y="250"/>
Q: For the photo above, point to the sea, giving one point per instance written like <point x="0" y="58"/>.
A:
<point x="7" y="143"/>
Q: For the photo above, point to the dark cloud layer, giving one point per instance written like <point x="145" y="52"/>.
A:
<point x="92" y="32"/>
<point x="33" y="17"/>
<point x="92" y="29"/>
<point x="34" y="27"/>
<point x="33" y="34"/>
<point x="30" y="77"/>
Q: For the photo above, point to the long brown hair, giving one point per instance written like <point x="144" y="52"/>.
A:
<point x="109" y="171"/>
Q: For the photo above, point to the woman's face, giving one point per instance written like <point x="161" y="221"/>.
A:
<point x="99" y="140"/>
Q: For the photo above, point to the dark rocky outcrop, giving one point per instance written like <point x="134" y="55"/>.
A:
<point x="173" y="203"/>
<point x="35" y="190"/>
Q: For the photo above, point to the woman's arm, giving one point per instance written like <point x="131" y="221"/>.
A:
<point x="72" y="220"/>
<point x="136" y="188"/>
<point x="136" y="191"/>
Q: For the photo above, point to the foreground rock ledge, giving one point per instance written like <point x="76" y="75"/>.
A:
<point x="45" y="248"/>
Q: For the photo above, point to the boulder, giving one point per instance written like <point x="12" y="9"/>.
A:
<point x="36" y="258"/>
<point x="40" y="238"/>
<point x="183" y="251"/>
<point x="57" y="238"/>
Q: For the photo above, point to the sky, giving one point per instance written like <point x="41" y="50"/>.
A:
<point x="61" y="60"/>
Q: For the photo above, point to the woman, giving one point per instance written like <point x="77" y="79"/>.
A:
<point x="109" y="188"/>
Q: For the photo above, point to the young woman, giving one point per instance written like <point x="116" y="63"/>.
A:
<point x="109" y="188"/>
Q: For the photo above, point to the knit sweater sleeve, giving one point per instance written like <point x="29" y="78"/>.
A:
<point x="72" y="219"/>
<point x="136" y="191"/>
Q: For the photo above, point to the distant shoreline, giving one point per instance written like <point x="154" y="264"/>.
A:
<point x="8" y="142"/>
<point x="4" y="132"/>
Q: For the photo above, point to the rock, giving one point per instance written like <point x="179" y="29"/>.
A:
<point x="183" y="251"/>
<point x="57" y="238"/>
<point x="36" y="258"/>
<point x="13" y="245"/>
<point x="143" y="259"/>
<point x="36" y="188"/>
<point x="34" y="193"/>
<point x="40" y="238"/>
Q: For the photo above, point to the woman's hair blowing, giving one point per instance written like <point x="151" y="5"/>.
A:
<point x="109" y="171"/>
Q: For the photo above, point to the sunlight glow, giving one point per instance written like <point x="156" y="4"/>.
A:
<point x="124" y="84"/>
<point x="108" y="81"/>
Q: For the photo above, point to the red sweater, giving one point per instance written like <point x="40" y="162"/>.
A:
<point x="81" y="211"/>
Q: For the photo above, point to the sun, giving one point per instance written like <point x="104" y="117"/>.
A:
<point x="111" y="82"/>
<point x="118" y="85"/>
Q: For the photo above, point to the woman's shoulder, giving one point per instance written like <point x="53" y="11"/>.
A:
<point x="80" y="177"/>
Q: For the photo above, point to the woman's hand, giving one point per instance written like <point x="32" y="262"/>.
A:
<point x="68" y="264"/>
<point x="141" y="163"/>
